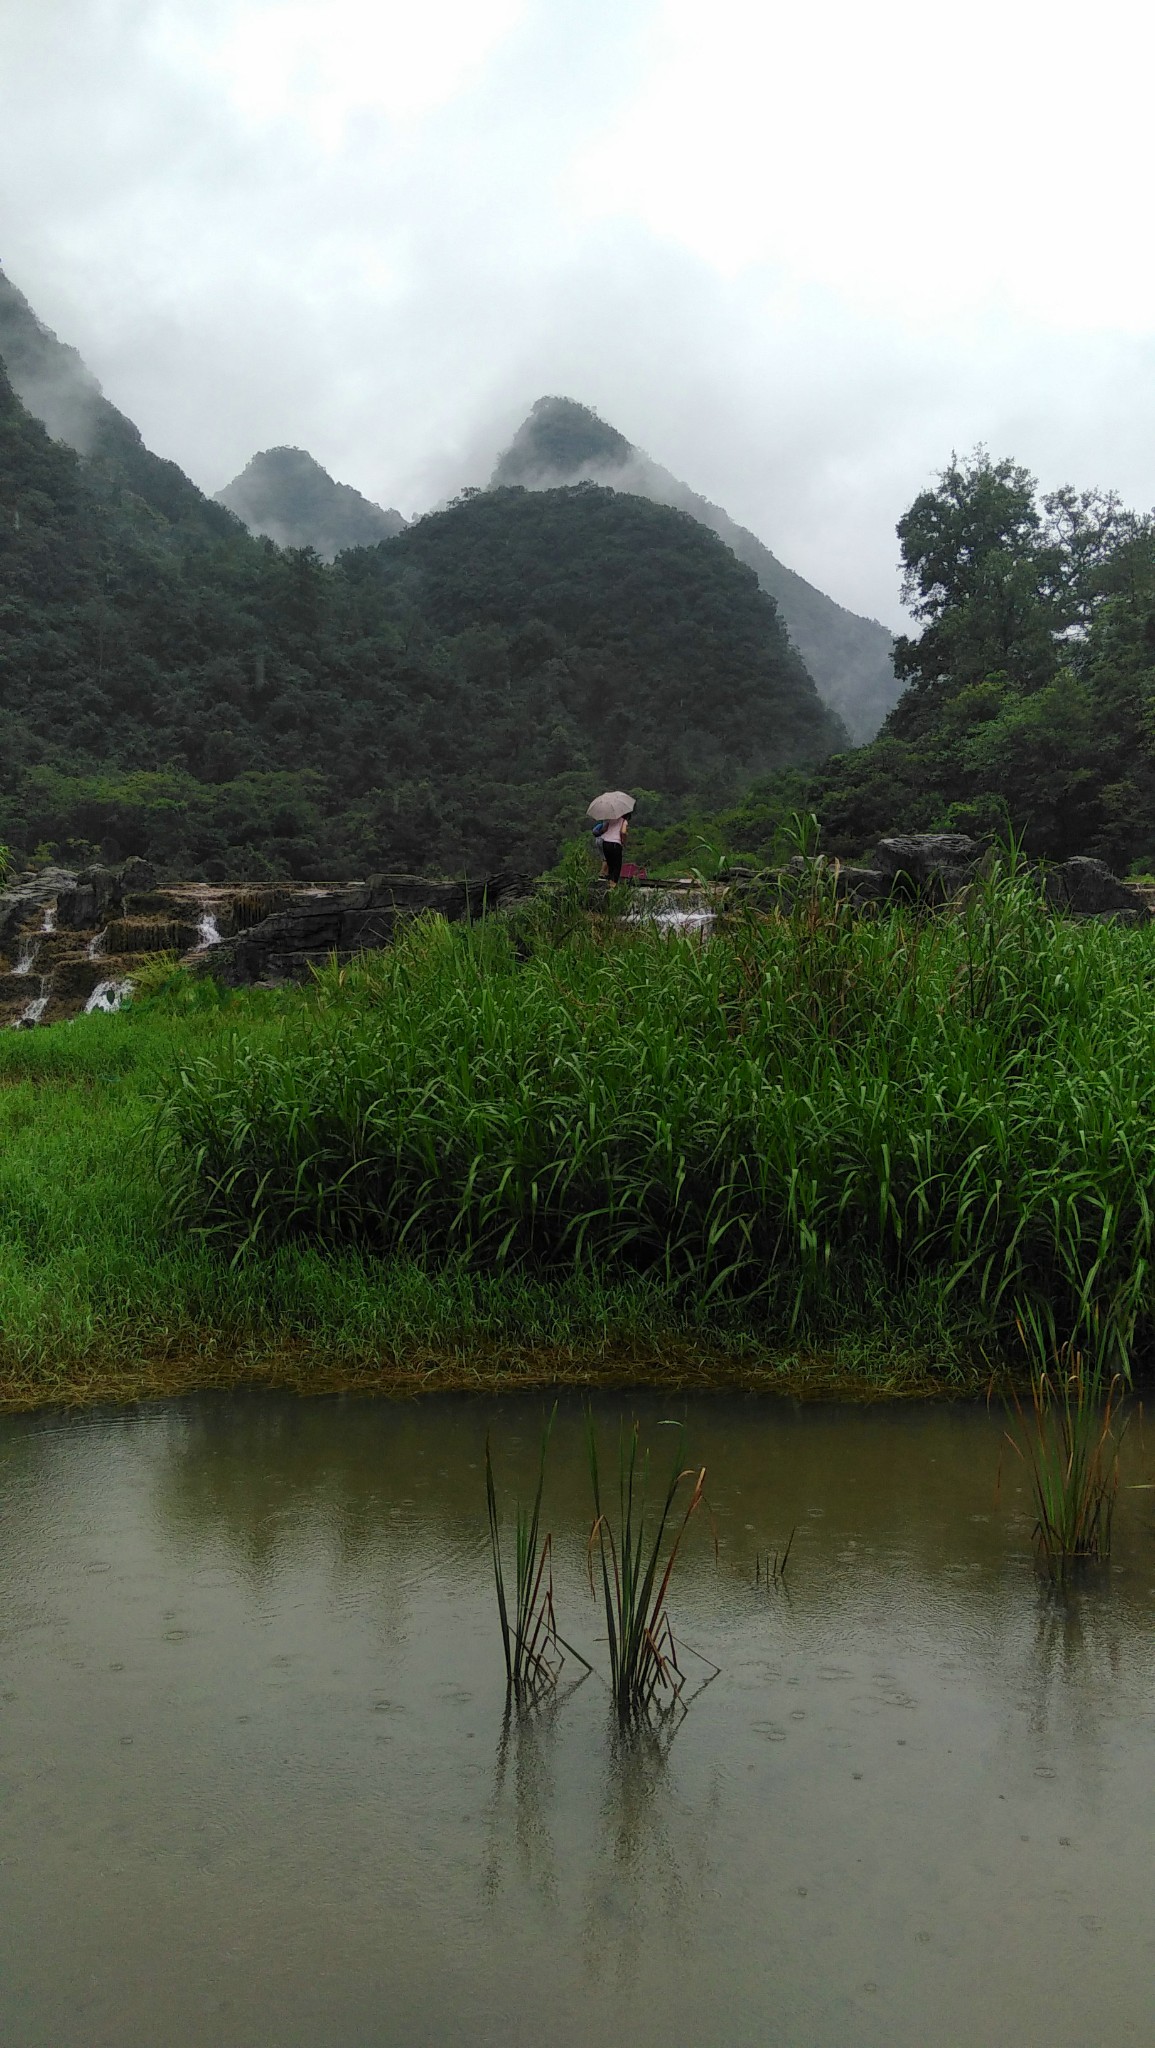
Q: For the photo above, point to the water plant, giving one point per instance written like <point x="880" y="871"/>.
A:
<point x="534" y="1652"/>
<point x="635" y="1576"/>
<point x="1069" y="1439"/>
<point x="772" y="1568"/>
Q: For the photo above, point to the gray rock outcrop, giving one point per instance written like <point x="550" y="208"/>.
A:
<point x="95" y="895"/>
<point x="934" y="864"/>
<point x="935" y="867"/>
<point x="1087" y="888"/>
<point x="357" y="917"/>
<point x="28" y="893"/>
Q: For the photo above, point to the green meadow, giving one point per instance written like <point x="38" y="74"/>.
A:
<point x="818" y="1150"/>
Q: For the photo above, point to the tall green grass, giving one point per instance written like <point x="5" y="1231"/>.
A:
<point x="100" y="1289"/>
<point x="806" y="1123"/>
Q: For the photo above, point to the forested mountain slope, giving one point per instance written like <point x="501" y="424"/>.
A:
<point x="285" y="493"/>
<point x="58" y="389"/>
<point x="849" y="657"/>
<point x="621" y="627"/>
<point x="171" y="686"/>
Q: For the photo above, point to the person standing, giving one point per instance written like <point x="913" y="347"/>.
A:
<point x="612" y="841"/>
<point x="610" y="813"/>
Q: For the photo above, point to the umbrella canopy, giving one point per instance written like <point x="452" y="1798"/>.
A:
<point x="614" y="804"/>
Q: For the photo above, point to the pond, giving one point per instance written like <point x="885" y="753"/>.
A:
<point x="259" y="1788"/>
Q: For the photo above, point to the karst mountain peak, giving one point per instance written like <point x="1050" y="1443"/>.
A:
<point x="562" y="441"/>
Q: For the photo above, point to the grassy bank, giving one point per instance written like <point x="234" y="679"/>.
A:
<point x="104" y="1296"/>
<point x="818" y="1151"/>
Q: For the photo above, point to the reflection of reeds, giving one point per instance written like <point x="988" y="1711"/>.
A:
<point x="644" y="1669"/>
<point x="534" y="1652"/>
<point x="1069" y="1442"/>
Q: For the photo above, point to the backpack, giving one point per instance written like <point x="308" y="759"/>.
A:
<point x="600" y="827"/>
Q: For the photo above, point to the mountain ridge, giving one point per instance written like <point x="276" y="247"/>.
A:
<point x="55" y="385"/>
<point x="562" y="441"/>
<point x="444" y="701"/>
<point x="286" y="494"/>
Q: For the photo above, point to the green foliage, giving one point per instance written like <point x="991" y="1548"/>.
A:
<point x="804" y="1122"/>
<point x="1030" y="699"/>
<point x="980" y="578"/>
<point x="98" y="1293"/>
<point x="446" y="701"/>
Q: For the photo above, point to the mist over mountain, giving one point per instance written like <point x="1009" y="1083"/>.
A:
<point x="445" y="700"/>
<point x="849" y="657"/>
<point x="58" y="389"/>
<point x="286" y="494"/>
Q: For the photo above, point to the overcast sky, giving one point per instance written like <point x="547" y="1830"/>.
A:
<point x="798" y="254"/>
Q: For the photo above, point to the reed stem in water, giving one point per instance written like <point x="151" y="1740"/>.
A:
<point x="644" y="1669"/>
<point x="533" y="1650"/>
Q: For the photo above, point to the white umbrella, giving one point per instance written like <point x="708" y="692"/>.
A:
<point x="614" y="804"/>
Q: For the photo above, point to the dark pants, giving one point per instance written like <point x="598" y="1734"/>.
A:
<point x="612" y="855"/>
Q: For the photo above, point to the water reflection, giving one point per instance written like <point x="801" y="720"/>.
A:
<point x="262" y="1782"/>
<point x="524" y="1784"/>
<point x="1078" y="1654"/>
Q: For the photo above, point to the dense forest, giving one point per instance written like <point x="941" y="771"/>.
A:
<point x="849" y="657"/>
<point x="172" y="686"/>
<point x="1030" y="688"/>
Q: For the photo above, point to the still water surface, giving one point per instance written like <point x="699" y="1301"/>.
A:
<point x="257" y="1789"/>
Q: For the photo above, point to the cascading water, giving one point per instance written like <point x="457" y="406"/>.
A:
<point x="49" y="924"/>
<point x="684" y="920"/>
<point x="33" y="1011"/>
<point x="108" y="995"/>
<point x="25" y="957"/>
<point x="96" y="945"/>
<point x="208" y="931"/>
<point x="664" y="909"/>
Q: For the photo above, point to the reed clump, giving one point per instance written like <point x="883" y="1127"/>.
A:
<point x="805" y="1123"/>
<point x="636" y="1563"/>
<point x="533" y="1650"/>
<point x="1069" y="1438"/>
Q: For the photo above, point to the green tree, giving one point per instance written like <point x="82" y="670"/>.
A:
<point x="984" y="576"/>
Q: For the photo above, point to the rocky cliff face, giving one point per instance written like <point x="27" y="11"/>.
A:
<point x="562" y="442"/>
<point x="287" y="495"/>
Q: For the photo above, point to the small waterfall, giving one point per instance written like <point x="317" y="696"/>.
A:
<point x="683" y="920"/>
<point x="664" y="908"/>
<point x="108" y="995"/>
<point x="27" y="954"/>
<point x="33" y="1011"/>
<point x="96" y="946"/>
<point x="49" y="924"/>
<point x="208" y="931"/>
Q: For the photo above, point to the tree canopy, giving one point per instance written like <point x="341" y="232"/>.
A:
<point x="1030" y="689"/>
<point x="449" y="699"/>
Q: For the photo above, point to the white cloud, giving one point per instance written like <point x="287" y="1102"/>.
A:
<point x="798" y="255"/>
<point x="323" y="66"/>
<point x="923" y="159"/>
